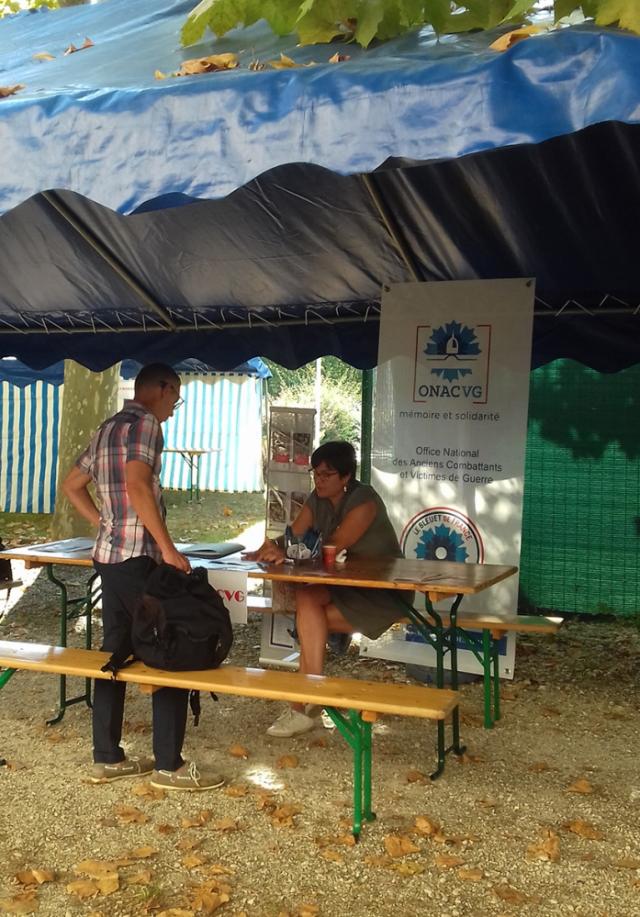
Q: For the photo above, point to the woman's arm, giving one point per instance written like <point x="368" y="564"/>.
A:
<point x="354" y="525"/>
<point x="271" y="551"/>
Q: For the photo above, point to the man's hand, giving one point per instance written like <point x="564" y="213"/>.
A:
<point x="174" y="558"/>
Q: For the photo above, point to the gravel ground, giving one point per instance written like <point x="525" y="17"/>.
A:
<point x="540" y="818"/>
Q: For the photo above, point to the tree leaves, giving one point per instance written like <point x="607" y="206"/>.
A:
<point x="365" y="21"/>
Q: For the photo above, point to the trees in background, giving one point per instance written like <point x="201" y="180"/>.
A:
<point x="340" y="395"/>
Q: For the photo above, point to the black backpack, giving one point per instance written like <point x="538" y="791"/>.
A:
<point x="180" y="624"/>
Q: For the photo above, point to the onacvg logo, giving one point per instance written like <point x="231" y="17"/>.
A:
<point x="442" y="533"/>
<point x="452" y="343"/>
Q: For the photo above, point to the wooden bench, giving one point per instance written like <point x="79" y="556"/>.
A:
<point x="486" y="647"/>
<point x="364" y="700"/>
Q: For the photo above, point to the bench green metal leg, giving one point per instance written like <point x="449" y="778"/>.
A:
<point x="357" y="734"/>
<point x="453" y="649"/>
<point x="5" y="675"/>
<point x="85" y="605"/>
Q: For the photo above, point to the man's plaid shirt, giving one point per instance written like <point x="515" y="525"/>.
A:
<point x="133" y="434"/>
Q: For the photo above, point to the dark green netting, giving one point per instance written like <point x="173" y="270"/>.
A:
<point x="581" y="525"/>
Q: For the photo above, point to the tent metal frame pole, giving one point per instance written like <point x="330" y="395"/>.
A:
<point x="366" y="407"/>
<point x="366" y="426"/>
<point x="86" y="233"/>
<point x="391" y="226"/>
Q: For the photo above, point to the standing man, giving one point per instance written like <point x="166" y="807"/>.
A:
<point x="123" y="460"/>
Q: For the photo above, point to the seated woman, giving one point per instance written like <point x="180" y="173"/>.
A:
<point x="350" y="515"/>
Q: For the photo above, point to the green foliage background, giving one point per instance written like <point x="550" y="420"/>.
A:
<point x="316" y="21"/>
<point x="339" y="401"/>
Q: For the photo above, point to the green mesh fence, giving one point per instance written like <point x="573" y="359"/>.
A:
<point x="581" y="525"/>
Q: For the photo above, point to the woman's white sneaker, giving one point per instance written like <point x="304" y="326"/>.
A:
<point x="291" y="723"/>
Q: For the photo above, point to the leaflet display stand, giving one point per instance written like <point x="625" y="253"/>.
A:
<point x="288" y="486"/>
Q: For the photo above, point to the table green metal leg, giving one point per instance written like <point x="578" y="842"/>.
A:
<point x="357" y="733"/>
<point x="5" y="675"/>
<point x="442" y="640"/>
<point x="70" y="609"/>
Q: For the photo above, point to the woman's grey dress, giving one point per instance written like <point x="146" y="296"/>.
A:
<point x="370" y="611"/>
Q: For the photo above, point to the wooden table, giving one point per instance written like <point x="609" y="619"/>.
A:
<point x="435" y="580"/>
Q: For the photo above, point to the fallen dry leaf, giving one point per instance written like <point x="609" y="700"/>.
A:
<point x="407" y="868"/>
<point x="108" y="884"/>
<point x="210" y="64"/>
<point x="215" y="869"/>
<point x="43" y="56"/>
<point x="165" y="829"/>
<point x="338" y="58"/>
<point x="468" y="874"/>
<point x="96" y="869"/>
<point x="378" y="861"/>
<point x="83" y="888"/>
<point x="159" y="75"/>
<point x="319" y="742"/>
<point x="551" y="711"/>
<point x="22" y="903"/>
<point x="417" y="777"/>
<point x="143" y="877"/>
<point x="236" y="791"/>
<point x="332" y="855"/>
<point x="6" y="91"/>
<point x="308" y="910"/>
<point x="129" y="815"/>
<point x="509" y="894"/>
<point x="191" y="860"/>
<point x="186" y="843"/>
<point x="143" y="853"/>
<point x="581" y="785"/>
<point x="425" y="826"/>
<point x="87" y="43"/>
<point x="238" y="751"/>
<point x="509" y="39"/>
<point x="196" y="821"/>
<point x="283" y="63"/>
<point x="287" y="761"/>
<point x="467" y="758"/>
<point x="282" y="816"/>
<point x="35" y="876"/>
<point x="539" y="767"/>
<point x="547" y="849"/>
<point x="176" y="912"/>
<point x="447" y="861"/>
<point x="399" y="845"/>
<point x="584" y="829"/>
<point x="225" y="824"/>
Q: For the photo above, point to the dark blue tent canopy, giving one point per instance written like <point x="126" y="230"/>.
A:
<point x="415" y="160"/>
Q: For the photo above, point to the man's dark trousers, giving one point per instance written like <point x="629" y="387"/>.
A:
<point x="122" y="586"/>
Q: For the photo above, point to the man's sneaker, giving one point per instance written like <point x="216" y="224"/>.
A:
<point x="290" y="723"/>
<point x="187" y="778"/>
<point x="130" y="767"/>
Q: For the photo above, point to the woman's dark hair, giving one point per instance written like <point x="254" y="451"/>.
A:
<point x="339" y="455"/>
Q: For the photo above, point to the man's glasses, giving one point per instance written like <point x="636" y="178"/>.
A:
<point x="179" y="401"/>
<point x="323" y="475"/>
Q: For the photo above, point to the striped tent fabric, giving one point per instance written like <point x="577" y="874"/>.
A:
<point x="222" y="412"/>
<point x="29" y="446"/>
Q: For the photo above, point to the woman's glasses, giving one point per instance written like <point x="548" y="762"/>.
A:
<point x="323" y="475"/>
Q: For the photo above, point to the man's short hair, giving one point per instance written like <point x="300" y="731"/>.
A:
<point x="155" y="374"/>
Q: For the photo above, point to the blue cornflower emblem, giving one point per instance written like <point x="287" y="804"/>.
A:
<point x="441" y="543"/>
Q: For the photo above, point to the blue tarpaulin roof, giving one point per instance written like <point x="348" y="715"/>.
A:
<point x="479" y="164"/>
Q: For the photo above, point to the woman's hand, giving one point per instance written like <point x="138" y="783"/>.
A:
<point x="268" y="553"/>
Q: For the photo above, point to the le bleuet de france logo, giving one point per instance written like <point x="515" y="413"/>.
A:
<point x="452" y="362"/>
<point x="442" y="533"/>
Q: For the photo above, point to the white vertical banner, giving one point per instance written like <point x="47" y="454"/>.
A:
<point x="451" y="420"/>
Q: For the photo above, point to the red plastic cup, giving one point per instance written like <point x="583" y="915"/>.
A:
<point x="329" y="552"/>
